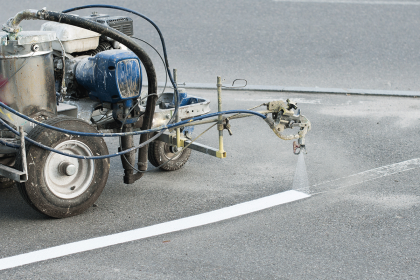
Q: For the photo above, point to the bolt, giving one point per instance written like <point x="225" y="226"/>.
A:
<point x="35" y="48"/>
<point x="67" y="168"/>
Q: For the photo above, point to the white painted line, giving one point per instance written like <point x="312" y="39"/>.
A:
<point x="141" y="233"/>
<point x="366" y="176"/>
<point x="405" y="3"/>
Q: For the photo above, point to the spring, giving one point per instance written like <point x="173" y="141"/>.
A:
<point x="103" y="46"/>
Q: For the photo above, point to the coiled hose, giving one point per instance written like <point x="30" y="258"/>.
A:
<point x="142" y="55"/>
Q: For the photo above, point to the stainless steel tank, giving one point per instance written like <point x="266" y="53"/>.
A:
<point x="27" y="76"/>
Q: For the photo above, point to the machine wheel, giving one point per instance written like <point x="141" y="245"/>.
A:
<point x="160" y="152"/>
<point x="60" y="186"/>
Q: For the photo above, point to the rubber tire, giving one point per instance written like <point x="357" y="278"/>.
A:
<point x="158" y="156"/>
<point x="36" y="191"/>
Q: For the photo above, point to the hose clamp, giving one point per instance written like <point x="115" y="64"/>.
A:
<point x="42" y="13"/>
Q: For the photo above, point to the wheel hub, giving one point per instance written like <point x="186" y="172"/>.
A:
<point x="68" y="177"/>
<point x="66" y="168"/>
<point x="171" y="152"/>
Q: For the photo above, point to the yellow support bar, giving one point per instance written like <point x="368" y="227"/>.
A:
<point x="178" y="130"/>
<point x="220" y="153"/>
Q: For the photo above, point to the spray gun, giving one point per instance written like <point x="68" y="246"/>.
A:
<point x="287" y="115"/>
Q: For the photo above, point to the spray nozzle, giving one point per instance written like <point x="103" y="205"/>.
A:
<point x="299" y="146"/>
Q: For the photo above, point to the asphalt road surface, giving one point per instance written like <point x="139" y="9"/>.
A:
<point x="356" y="230"/>
<point x="370" y="44"/>
<point x="361" y="221"/>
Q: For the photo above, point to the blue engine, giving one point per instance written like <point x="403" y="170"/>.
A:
<point x="114" y="77"/>
<point x="111" y="76"/>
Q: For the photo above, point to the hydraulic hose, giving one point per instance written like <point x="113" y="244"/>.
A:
<point x="142" y="55"/>
<point x="116" y="134"/>
<point x="66" y="154"/>
<point x="10" y="145"/>
<point x="12" y="25"/>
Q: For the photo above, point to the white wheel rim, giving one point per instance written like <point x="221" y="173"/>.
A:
<point x="65" y="186"/>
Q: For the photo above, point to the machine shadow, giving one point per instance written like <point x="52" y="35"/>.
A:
<point x="12" y="207"/>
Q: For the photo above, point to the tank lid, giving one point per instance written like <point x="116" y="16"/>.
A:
<point x="67" y="32"/>
<point x="31" y="37"/>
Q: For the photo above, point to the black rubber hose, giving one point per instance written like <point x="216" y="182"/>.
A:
<point x="142" y="55"/>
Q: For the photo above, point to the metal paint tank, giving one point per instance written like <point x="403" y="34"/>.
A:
<point x="27" y="76"/>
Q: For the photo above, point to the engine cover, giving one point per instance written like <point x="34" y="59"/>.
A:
<point x="111" y="76"/>
<point x="73" y="38"/>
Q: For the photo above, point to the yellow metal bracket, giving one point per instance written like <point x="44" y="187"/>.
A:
<point x="178" y="130"/>
<point x="175" y="141"/>
<point x="221" y="152"/>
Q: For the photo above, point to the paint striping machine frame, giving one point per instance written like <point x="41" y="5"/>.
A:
<point x="79" y="79"/>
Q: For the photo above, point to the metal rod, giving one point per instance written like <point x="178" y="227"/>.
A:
<point x="194" y="146"/>
<point x="221" y="153"/>
<point x="216" y="119"/>
<point x="24" y="178"/>
<point x="206" y="121"/>
<point x="178" y="130"/>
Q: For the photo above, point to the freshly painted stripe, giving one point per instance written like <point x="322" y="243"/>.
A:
<point x="141" y="233"/>
<point x="397" y="93"/>
<point x="366" y="176"/>
<point x="206" y="218"/>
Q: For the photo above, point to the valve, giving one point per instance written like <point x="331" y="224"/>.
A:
<point x="227" y="126"/>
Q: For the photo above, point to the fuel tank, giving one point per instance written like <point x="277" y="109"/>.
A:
<point x="27" y="76"/>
